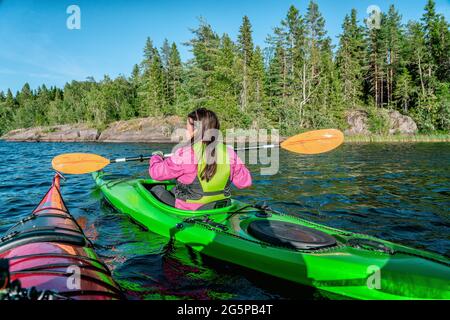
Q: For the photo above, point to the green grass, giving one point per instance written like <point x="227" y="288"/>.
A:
<point x="440" y="137"/>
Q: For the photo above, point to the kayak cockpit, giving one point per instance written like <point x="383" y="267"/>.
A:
<point x="262" y="228"/>
<point x="151" y="187"/>
<point x="290" y="235"/>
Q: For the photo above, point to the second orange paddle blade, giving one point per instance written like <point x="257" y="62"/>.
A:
<point x="313" y="142"/>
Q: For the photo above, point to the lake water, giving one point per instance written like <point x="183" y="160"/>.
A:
<point x="398" y="192"/>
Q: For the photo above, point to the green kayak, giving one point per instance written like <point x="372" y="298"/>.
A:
<point x="286" y="246"/>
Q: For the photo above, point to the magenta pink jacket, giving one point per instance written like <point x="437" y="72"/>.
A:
<point x="182" y="166"/>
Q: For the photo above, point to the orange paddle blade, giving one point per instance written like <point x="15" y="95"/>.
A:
<point x="79" y="163"/>
<point x="313" y="142"/>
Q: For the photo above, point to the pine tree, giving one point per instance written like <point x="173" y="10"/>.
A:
<point x="375" y="57"/>
<point x="26" y="94"/>
<point x="319" y="47"/>
<point x="404" y="90"/>
<point x="175" y="69"/>
<point x="290" y="61"/>
<point x="43" y="98"/>
<point x="135" y="74"/>
<point x="417" y="55"/>
<point x="53" y="113"/>
<point x="156" y="83"/>
<point x="437" y="39"/>
<point x="152" y="90"/>
<point x="165" y="53"/>
<point x="421" y="66"/>
<point x="7" y="106"/>
<point x="135" y="83"/>
<point x="245" y="45"/>
<point x="204" y="46"/>
<point x="149" y="53"/>
<point x="443" y="113"/>
<point x="165" y="57"/>
<point x="315" y="36"/>
<point x="350" y="60"/>
<point x="258" y="79"/>
<point x="291" y="36"/>
<point x="225" y="89"/>
<point x="330" y="97"/>
<point x="394" y="43"/>
<point x="275" y="87"/>
<point x="443" y="52"/>
<point x="430" y="21"/>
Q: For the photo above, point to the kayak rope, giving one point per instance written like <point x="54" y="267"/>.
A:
<point x="64" y="265"/>
<point x="24" y="232"/>
<point x="116" y="181"/>
<point x="208" y="226"/>
<point x="34" y="216"/>
<point x="60" y="255"/>
<point x="228" y="213"/>
<point x="310" y="223"/>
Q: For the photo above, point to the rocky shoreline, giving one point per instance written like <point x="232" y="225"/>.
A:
<point x="159" y="130"/>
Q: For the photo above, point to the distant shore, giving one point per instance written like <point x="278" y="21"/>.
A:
<point x="147" y="130"/>
<point x="374" y="138"/>
<point x="159" y="130"/>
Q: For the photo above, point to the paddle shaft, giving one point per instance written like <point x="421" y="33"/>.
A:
<point x="312" y="142"/>
<point x="146" y="158"/>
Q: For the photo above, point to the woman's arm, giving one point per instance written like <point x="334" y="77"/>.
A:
<point x="240" y="175"/>
<point x="163" y="169"/>
<point x="180" y="164"/>
<point x="166" y="169"/>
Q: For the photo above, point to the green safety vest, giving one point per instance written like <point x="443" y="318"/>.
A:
<point x="202" y="191"/>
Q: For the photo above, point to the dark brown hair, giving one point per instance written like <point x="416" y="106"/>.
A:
<point x="209" y="127"/>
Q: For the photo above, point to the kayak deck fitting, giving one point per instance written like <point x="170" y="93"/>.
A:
<point x="48" y="252"/>
<point x="286" y="246"/>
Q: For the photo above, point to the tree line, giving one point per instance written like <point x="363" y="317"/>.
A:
<point x="298" y="81"/>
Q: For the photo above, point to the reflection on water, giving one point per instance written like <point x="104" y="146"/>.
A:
<point x="398" y="192"/>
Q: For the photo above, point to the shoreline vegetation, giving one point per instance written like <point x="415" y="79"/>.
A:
<point x="397" y="138"/>
<point x="159" y="130"/>
<point x="377" y="81"/>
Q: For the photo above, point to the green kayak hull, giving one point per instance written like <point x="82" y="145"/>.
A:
<point x="355" y="266"/>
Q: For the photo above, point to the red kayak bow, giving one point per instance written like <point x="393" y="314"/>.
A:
<point x="48" y="251"/>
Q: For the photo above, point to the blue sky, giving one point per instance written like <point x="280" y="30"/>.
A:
<point x="36" y="46"/>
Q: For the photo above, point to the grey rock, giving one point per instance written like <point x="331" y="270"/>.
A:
<point x="358" y="122"/>
<point x="150" y="129"/>
<point x="59" y="133"/>
<point x="400" y="123"/>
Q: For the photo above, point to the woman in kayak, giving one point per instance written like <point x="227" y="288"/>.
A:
<point x="204" y="169"/>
